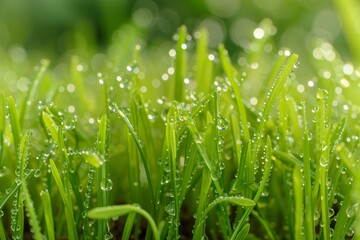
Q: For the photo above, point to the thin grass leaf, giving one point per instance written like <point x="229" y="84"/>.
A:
<point x="309" y="211"/>
<point x="66" y="198"/>
<point x="264" y="180"/>
<point x="320" y="125"/>
<point x="2" y="124"/>
<point x="180" y="64"/>
<point x="324" y="162"/>
<point x="51" y="126"/>
<point x="344" y="219"/>
<point x="92" y="159"/>
<point x="245" y="202"/>
<point x="205" y="187"/>
<point x="23" y="159"/>
<point x="204" y="66"/>
<point x="15" y="124"/>
<point x="265" y="224"/>
<point x="172" y="149"/>
<point x="104" y="183"/>
<point x="121" y="210"/>
<point x="140" y="147"/>
<point x="231" y="74"/>
<point x="349" y="15"/>
<point x="272" y="96"/>
<point x="128" y="226"/>
<point x="272" y="75"/>
<point x="11" y="190"/>
<point x="29" y="98"/>
<point x="243" y="232"/>
<point x="49" y="219"/>
<point x="188" y="179"/>
<point x="2" y="230"/>
<point x="33" y="219"/>
<point x="199" y="227"/>
<point x="294" y="120"/>
<point x="299" y="204"/>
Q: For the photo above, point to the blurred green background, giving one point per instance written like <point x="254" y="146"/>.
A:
<point x="54" y="27"/>
<point x="104" y="35"/>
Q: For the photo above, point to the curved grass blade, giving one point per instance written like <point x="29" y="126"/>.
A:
<point x="121" y="210"/>
<point x="243" y="232"/>
<point x="51" y="126"/>
<point x="265" y="224"/>
<point x="231" y="74"/>
<point x="245" y="202"/>
<point x="272" y="96"/>
<point x="31" y="92"/>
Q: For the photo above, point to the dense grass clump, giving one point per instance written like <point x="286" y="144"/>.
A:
<point x="186" y="145"/>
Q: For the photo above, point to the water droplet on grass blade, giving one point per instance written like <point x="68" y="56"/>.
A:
<point x="106" y="184"/>
<point x="3" y="171"/>
<point x="170" y="208"/>
<point x="37" y="173"/>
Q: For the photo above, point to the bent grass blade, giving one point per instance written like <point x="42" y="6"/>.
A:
<point x="121" y="210"/>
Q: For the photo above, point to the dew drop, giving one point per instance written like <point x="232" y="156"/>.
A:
<point x="170" y="208"/>
<point x="106" y="184"/>
<point x="37" y="173"/>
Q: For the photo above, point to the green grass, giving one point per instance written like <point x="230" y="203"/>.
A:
<point x="191" y="145"/>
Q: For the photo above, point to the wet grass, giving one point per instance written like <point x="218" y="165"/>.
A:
<point x="187" y="146"/>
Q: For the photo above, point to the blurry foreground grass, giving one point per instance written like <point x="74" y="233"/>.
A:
<point x="181" y="142"/>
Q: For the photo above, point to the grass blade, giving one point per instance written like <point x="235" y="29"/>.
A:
<point x="128" y="226"/>
<point x="140" y="147"/>
<point x="349" y="15"/>
<point x="172" y="147"/>
<point x="265" y="179"/>
<point x="49" y="219"/>
<point x="180" y="64"/>
<point x="104" y="183"/>
<point x="32" y="89"/>
<point x="121" y="210"/>
<point x="23" y="154"/>
<point x="204" y="66"/>
<point x="15" y="124"/>
<point x="245" y="202"/>
<point x="299" y="204"/>
<point x="51" y="126"/>
<point x="231" y="74"/>
<point x="272" y="96"/>
<point x="66" y="200"/>
<point x="243" y="232"/>
<point x="309" y="211"/>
